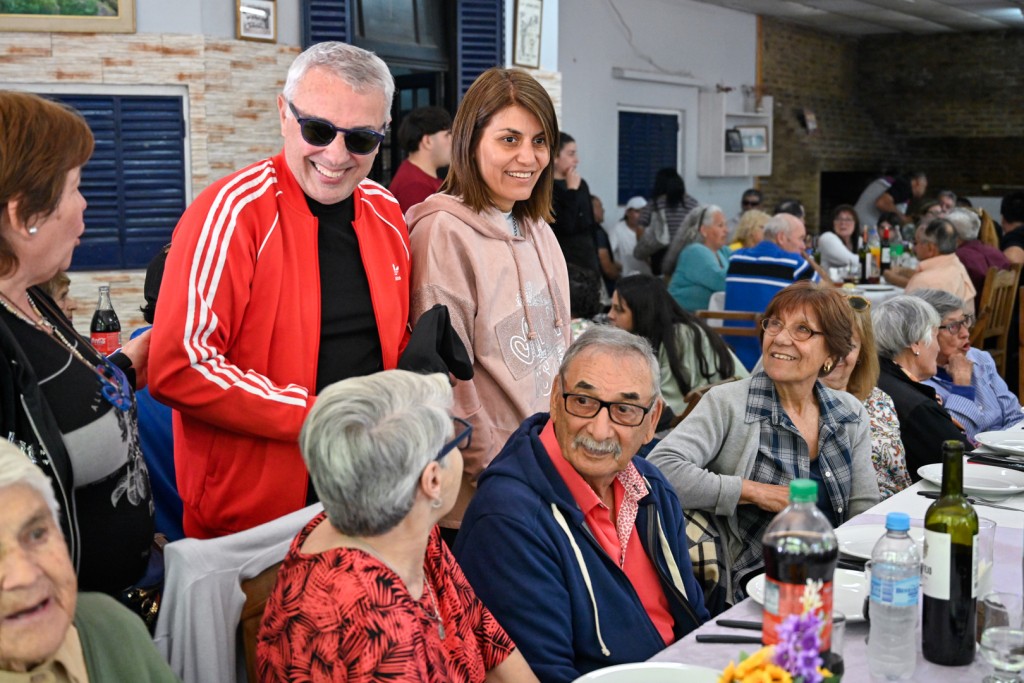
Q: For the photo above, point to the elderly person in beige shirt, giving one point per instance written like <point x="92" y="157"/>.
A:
<point x="939" y="267"/>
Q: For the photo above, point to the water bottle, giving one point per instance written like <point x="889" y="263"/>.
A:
<point x="895" y="583"/>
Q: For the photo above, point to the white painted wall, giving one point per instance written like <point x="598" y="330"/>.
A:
<point x="205" y="17"/>
<point x="549" y="38"/>
<point x="687" y="40"/>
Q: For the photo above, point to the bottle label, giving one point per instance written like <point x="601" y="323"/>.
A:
<point x="900" y="593"/>
<point x="886" y="256"/>
<point x="784" y="599"/>
<point x="106" y="342"/>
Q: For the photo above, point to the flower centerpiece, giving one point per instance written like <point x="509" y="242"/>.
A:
<point x="796" y="657"/>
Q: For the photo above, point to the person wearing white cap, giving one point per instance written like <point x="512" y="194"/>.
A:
<point x="623" y="238"/>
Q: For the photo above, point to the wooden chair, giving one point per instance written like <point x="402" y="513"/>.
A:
<point x="723" y="319"/>
<point x="257" y="591"/>
<point x="995" y="310"/>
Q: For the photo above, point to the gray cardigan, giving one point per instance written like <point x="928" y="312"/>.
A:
<point x="709" y="454"/>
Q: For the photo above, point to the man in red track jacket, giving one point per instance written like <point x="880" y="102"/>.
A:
<point x="282" y="278"/>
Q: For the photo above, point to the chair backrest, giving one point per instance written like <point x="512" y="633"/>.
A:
<point x="257" y="591"/>
<point x="723" y="319"/>
<point x="998" y="297"/>
<point x="693" y="398"/>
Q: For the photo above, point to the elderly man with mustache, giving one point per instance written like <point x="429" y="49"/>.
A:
<point x="593" y="569"/>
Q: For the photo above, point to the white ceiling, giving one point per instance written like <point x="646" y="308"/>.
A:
<point x="862" y="17"/>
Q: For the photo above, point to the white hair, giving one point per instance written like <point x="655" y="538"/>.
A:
<point x="619" y="343"/>
<point x="367" y="440"/>
<point x="16" y="468"/>
<point x="360" y="68"/>
<point x="966" y="222"/>
<point x="901" y="321"/>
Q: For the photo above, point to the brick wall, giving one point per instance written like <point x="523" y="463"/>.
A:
<point x="952" y="105"/>
<point x="232" y="84"/>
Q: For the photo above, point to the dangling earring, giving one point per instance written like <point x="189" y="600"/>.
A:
<point x="33" y="230"/>
<point x="828" y="366"/>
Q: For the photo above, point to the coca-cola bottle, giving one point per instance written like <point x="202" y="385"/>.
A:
<point x="105" y="330"/>
<point x="799" y="545"/>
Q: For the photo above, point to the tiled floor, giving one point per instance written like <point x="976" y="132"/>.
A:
<point x="125" y="292"/>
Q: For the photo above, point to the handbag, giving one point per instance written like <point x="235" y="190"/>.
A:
<point x="654" y="238"/>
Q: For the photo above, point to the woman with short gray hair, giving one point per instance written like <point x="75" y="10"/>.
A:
<point x="699" y="270"/>
<point x="368" y="584"/>
<point x="967" y="380"/>
<point x="908" y="348"/>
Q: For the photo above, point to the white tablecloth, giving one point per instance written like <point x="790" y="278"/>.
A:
<point x="1008" y="553"/>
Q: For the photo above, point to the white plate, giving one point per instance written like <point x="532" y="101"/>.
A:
<point x="1011" y="441"/>
<point x="876" y="288"/>
<point x="980" y="480"/>
<point x="652" y="672"/>
<point x="849" y="588"/>
<point x="858" y="541"/>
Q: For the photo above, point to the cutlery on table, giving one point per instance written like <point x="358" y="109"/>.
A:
<point x="739" y="623"/>
<point x="727" y="638"/>
<point x="971" y="500"/>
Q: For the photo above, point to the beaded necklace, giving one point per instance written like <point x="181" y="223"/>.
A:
<point x="113" y="383"/>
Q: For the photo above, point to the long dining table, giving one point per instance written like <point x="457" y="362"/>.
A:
<point x="1006" y="575"/>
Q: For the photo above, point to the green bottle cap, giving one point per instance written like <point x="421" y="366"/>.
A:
<point x="803" y="491"/>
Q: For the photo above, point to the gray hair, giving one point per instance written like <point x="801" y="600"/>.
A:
<point x="16" y="468"/>
<point x="779" y="224"/>
<point x="942" y="301"/>
<point x="696" y="219"/>
<point x="901" y="321"/>
<point x="942" y="234"/>
<point x="361" y="69"/>
<point x="618" y="342"/>
<point x="966" y="222"/>
<point x="366" y="441"/>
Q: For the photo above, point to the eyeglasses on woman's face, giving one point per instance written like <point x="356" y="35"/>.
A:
<point x="798" y="332"/>
<point x="462" y="439"/>
<point x="953" y="327"/>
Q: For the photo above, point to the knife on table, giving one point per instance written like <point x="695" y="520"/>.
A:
<point x="972" y="501"/>
<point x="727" y="638"/>
<point x="739" y="623"/>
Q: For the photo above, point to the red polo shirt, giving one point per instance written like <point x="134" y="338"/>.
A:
<point x="634" y="561"/>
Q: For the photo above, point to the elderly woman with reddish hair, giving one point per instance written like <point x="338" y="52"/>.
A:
<point x="735" y="454"/>
<point x="64" y="404"/>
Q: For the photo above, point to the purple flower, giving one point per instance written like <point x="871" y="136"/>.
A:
<point x="797" y="649"/>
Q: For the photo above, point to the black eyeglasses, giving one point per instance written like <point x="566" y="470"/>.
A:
<point x="750" y="205"/>
<point x="799" y="332"/>
<point x="625" y="414"/>
<point x="461" y="440"/>
<point x="858" y="303"/>
<point x="954" y="327"/>
<point x="321" y="133"/>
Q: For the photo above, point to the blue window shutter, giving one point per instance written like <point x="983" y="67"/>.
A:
<point x="481" y="39"/>
<point x="134" y="183"/>
<point x="324" y="20"/>
<point x="647" y="142"/>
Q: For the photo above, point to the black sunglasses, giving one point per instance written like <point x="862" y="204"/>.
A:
<point x="751" y="203"/>
<point x="322" y="133"/>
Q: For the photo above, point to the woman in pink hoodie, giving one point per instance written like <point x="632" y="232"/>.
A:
<point x="483" y="247"/>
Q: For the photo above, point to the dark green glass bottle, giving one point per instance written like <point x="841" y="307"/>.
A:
<point x="949" y="575"/>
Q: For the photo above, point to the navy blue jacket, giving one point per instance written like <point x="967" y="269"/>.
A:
<point x="521" y="562"/>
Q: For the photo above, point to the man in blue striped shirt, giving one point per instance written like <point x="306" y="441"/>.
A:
<point x="758" y="273"/>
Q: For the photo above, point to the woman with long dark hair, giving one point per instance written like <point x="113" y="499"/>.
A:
<point x="690" y="353"/>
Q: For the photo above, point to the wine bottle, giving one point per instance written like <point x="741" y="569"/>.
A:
<point x="949" y="576"/>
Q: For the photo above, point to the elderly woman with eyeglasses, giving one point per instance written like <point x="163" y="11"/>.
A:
<point x="735" y="454"/>
<point x="857" y="373"/>
<point x="967" y="380"/>
<point x="368" y="590"/>
<point x="906" y="334"/>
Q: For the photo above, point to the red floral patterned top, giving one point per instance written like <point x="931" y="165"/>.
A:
<point x="342" y="615"/>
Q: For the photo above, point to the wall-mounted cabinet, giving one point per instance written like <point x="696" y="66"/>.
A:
<point x="715" y="117"/>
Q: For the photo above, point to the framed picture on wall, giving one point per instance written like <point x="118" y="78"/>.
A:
<point x="109" y="16"/>
<point x="755" y="138"/>
<point x="526" y="33"/>
<point x="257" y="20"/>
<point x="733" y="141"/>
